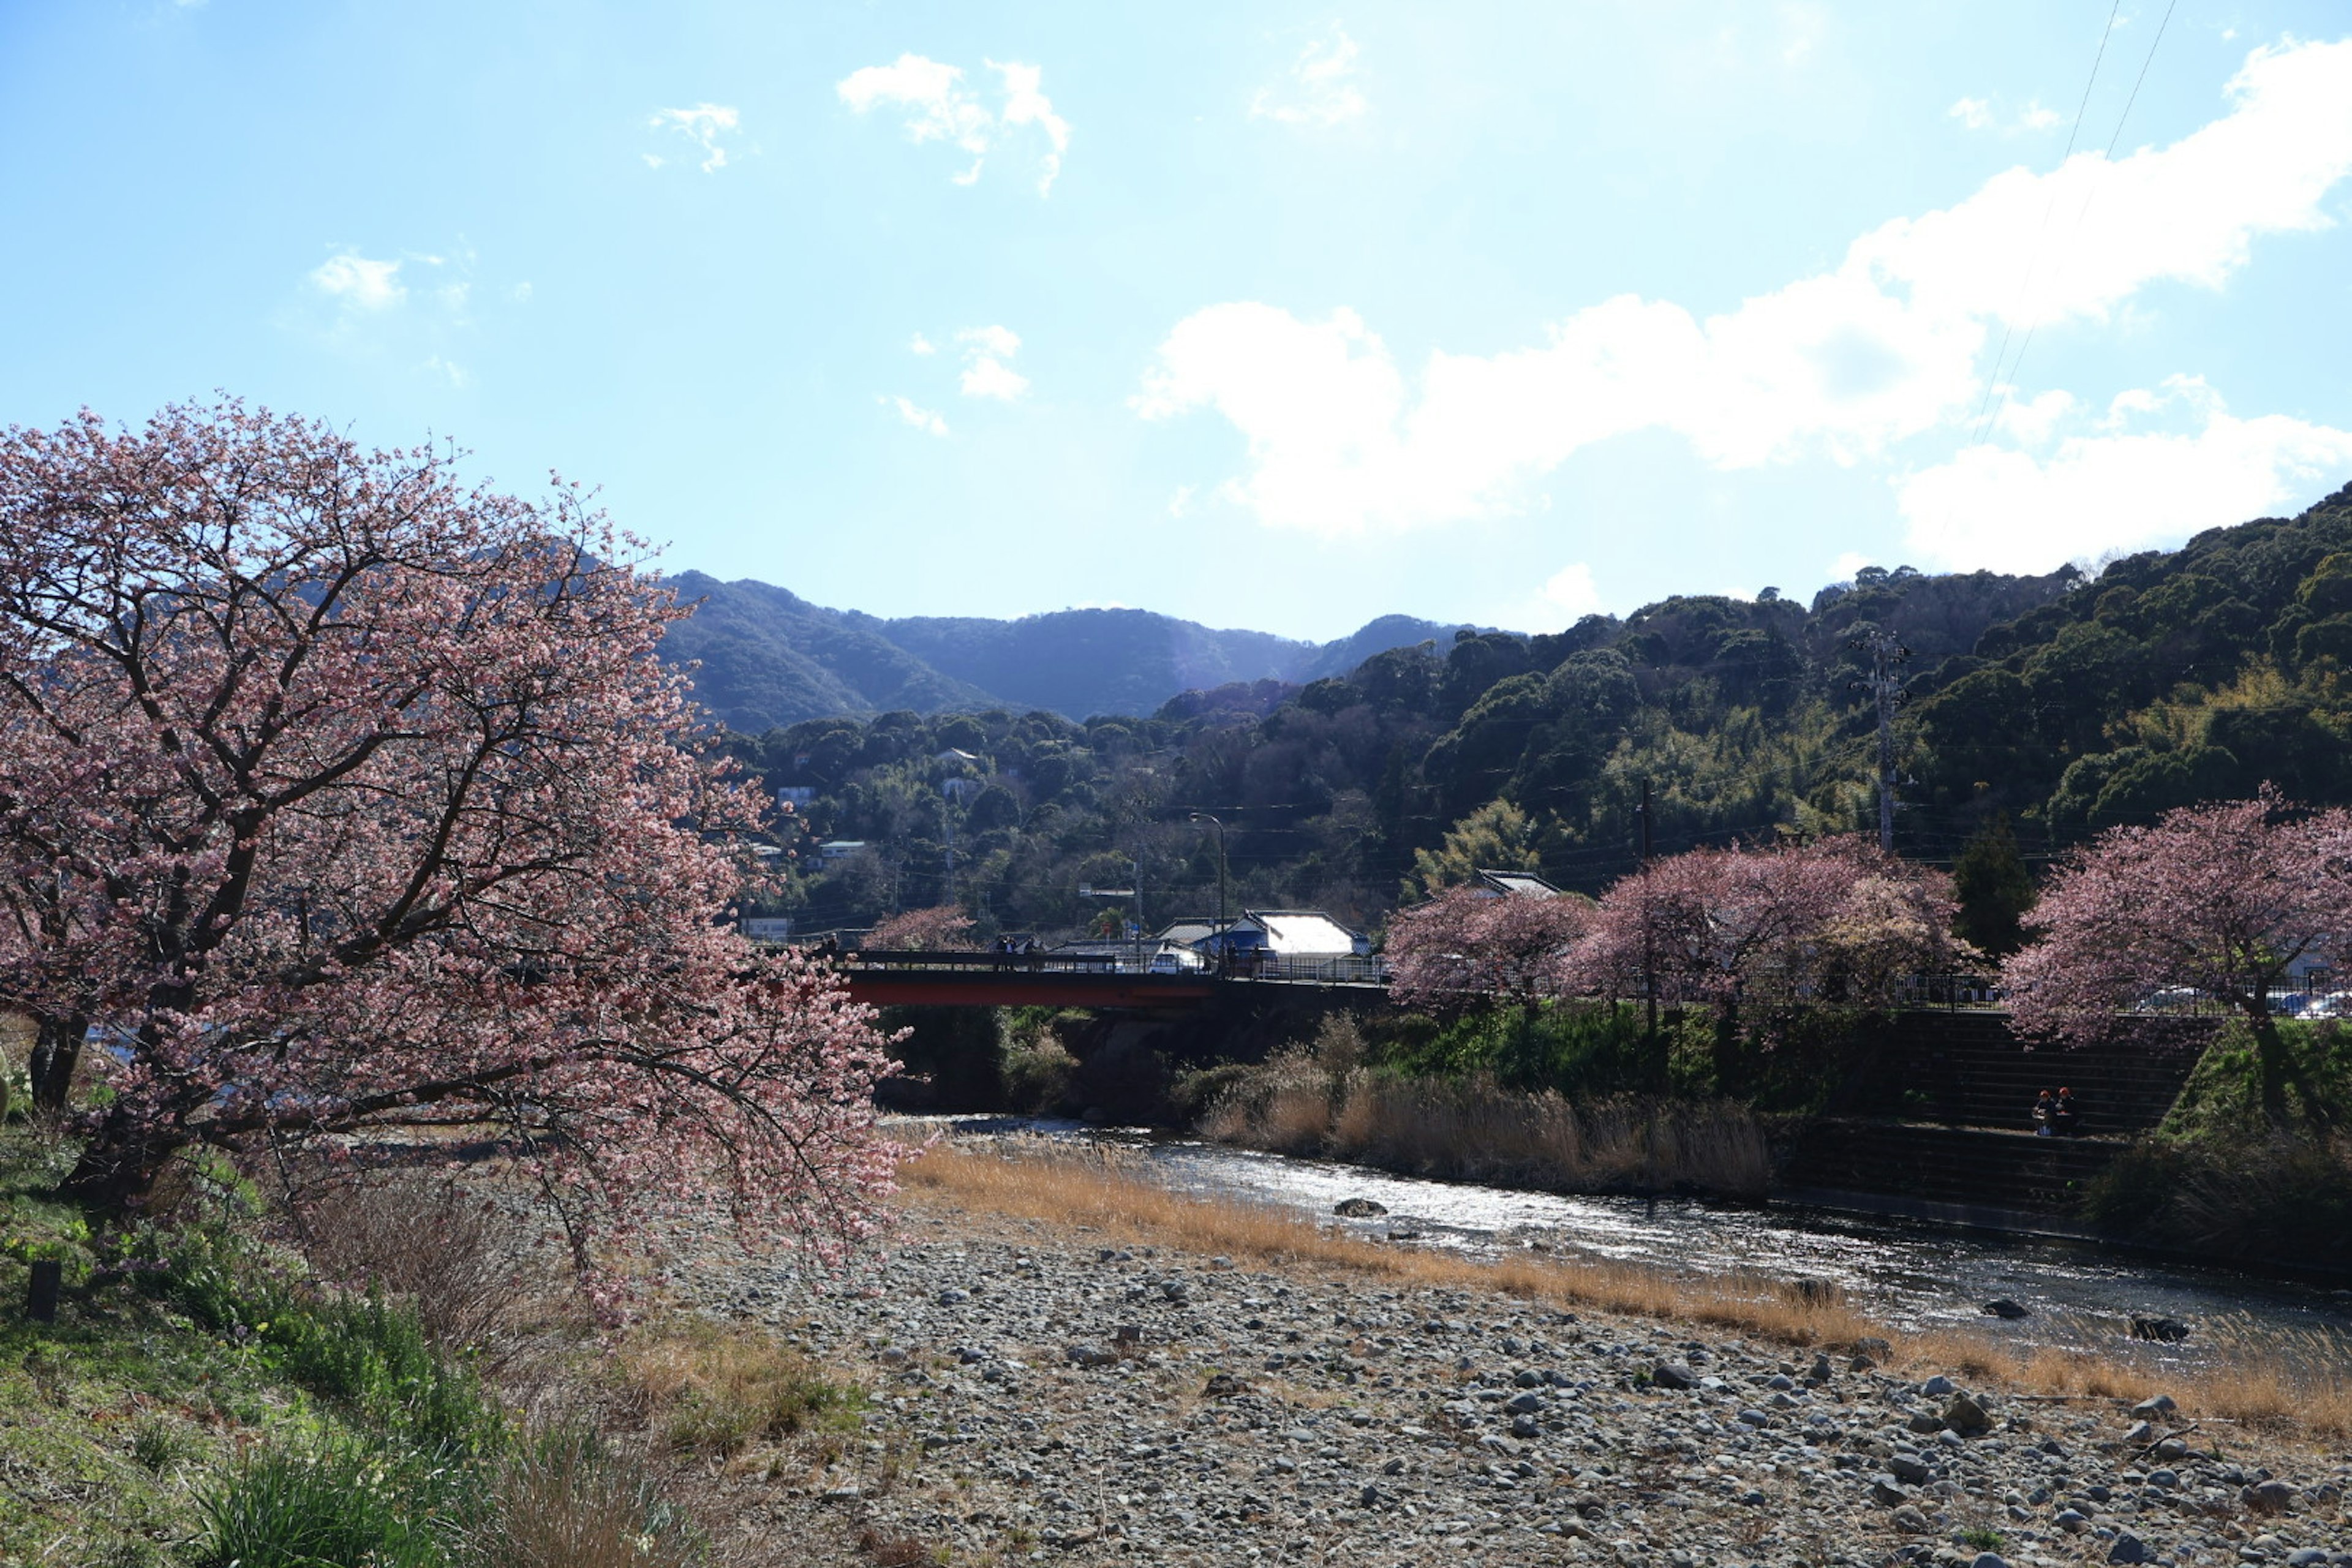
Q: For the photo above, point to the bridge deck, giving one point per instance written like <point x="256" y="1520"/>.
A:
<point x="1067" y="980"/>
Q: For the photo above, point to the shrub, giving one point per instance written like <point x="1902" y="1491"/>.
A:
<point x="715" y="1391"/>
<point x="565" y="1501"/>
<point x="340" y="1505"/>
<point x="1037" y="1076"/>
<point x="457" y="1257"/>
<point x="368" y="1352"/>
<point x="2281" y="1199"/>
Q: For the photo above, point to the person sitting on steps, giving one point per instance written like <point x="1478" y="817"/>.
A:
<point x="2045" y="1106"/>
<point x="2066" y="1117"/>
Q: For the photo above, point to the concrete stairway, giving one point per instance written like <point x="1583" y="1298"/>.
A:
<point x="1953" y="1121"/>
<point x="1966" y="1070"/>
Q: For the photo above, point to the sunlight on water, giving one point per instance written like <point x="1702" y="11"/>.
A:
<point x="1915" y="1276"/>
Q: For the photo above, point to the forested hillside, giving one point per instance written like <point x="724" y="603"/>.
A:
<point x="766" y="656"/>
<point x="2064" y="701"/>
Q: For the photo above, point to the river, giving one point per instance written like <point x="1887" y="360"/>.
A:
<point x="1912" y="1275"/>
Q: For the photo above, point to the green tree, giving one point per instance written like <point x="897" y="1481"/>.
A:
<point x="1497" y="837"/>
<point x="1994" y="889"/>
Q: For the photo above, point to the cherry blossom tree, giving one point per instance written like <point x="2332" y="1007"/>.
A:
<point x="942" y="929"/>
<point x="2226" y="898"/>
<point x="1466" y="943"/>
<point x="1834" y="920"/>
<point x="339" y="798"/>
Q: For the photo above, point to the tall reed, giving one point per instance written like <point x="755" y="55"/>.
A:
<point x="1473" y="1129"/>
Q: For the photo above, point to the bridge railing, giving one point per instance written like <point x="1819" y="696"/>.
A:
<point x="1344" y="969"/>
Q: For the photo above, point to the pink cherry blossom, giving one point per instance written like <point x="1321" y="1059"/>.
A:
<point x="1466" y="943"/>
<point x="1834" y="920"/>
<point x="343" y="799"/>
<point x="2224" y="899"/>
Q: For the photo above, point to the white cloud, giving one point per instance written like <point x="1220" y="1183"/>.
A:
<point x="2121" y="488"/>
<point x="1319" y="88"/>
<point x="704" y="125"/>
<point x="1003" y="342"/>
<point x="359" y="282"/>
<point x="458" y="374"/>
<point x="914" y="414"/>
<point x="1182" y="501"/>
<point x="1571" y="589"/>
<point x="1886" y="347"/>
<point x="1565" y="597"/>
<point x="1842" y="569"/>
<point x="940" y="108"/>
<point x="1025" y="105"/>
<point x="919" y="344"/>
<point x="985" y="377"/>
<point x="1978" y="114"/>
<point x="2032" y="421"/>
<point x="985" y="374"/>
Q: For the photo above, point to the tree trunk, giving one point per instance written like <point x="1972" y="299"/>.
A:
<point x="2272" y="1067"/>
<point x="121" y="1161"/>
<point x="57" y="1051"/>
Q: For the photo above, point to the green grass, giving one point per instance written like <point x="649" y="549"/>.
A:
<point x="193" y="1391"/>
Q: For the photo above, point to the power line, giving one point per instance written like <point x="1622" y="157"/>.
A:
<point x="2034" y="256"/>
<point x="2107" y="161"/>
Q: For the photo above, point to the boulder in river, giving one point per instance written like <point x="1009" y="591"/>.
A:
<point x="2002" y="1306"/>
<point x="2167" y="1331"/>
<point x="1359" y="1208"/>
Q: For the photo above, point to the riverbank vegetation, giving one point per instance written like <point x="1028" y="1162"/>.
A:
<point x="407" y="1379"/>
<point x="2218" y="1175"/>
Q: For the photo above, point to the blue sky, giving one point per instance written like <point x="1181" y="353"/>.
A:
<point x="1264" y="315"/>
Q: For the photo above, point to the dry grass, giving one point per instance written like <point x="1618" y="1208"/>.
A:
<point x="1098" y="1188"/>
<point x="1473" y="1129"/>
<point x="713" y="1390"/>
<point x="470" y="1266"/>
<point x="566" y="1504"/>
<point x="2280" y="1381"/>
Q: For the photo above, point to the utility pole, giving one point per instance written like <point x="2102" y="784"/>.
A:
<point x="1649" y="952"/>
<point x="1224" y="944"/>
<point x="1885" y="686"/>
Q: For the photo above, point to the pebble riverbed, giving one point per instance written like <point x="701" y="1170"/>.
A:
<point x="1036" y="1390"/>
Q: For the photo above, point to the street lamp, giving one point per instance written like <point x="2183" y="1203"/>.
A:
<point x="1204" y="816"/>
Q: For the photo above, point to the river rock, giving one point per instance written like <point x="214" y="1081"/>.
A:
<point x="1990" y="1560"/>
<point x="1965" y="1415"/>
<point x="1939" y="1385"/>
<point x="1092" y="1355"/>
<point x="1910" y="1520"/>
<point x="2002" y="1306"/>
<point x="1908" y="1467"/>
<point x="1359" y="1208"/>
<point x="2166" y="1330"/>
<point x="1673" y="1375"/>
<point x="1885" y="1492"/>
<point x="2268" y="1497"/>
<point x="2129" y="1548"/>
<point x="2149" y="1409"/>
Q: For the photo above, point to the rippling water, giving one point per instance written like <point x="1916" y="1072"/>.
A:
<point x="1912" y="1275"/>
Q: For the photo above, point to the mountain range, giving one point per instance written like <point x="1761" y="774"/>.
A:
<point x="767" y="657"/>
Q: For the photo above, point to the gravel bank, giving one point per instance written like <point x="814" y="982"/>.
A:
<point x="1036" y="1390"/>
